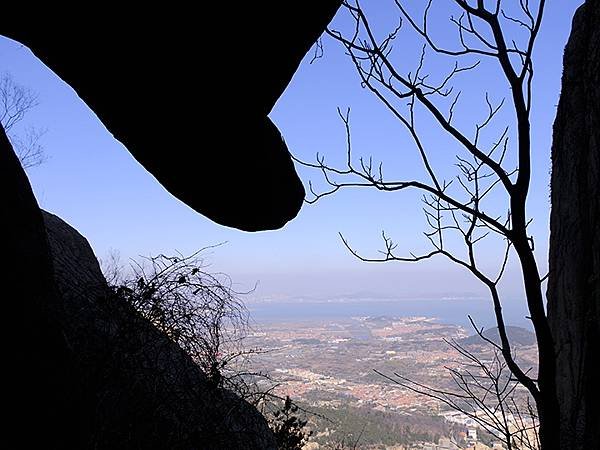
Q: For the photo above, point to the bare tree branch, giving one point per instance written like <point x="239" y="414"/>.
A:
<point x="15" y="102"/>
<point x="463" y="209"/>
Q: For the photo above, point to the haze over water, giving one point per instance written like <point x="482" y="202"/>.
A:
<point x="445" y="310"/>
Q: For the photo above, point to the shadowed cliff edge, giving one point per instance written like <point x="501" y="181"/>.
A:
<point x="87" y="370"/>
<point x="574" y="278"/>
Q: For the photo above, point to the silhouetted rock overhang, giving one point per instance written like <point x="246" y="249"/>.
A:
<point x="187" y="91"/>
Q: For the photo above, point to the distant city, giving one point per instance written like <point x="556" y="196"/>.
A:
<point x="329" y="366"/>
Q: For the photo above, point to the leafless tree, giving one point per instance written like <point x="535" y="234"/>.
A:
<point x="203" y="314"/>
<point x="15" y="102"/>
<point x="490" y="34"/>
<point x="206" y="317"/>
<point x="198" y="310"/>
<point x="484" y="390"/>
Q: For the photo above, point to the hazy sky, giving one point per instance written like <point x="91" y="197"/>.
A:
<point x="95" y="185"/>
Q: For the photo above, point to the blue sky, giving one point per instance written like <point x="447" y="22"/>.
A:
<point x="95" y="185"/>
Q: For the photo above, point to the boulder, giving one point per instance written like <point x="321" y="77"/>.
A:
<point x="146" y="392"/>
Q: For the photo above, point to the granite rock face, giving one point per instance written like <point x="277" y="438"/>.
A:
<point x="147" y="393"/>
<point x="574" y="280"/>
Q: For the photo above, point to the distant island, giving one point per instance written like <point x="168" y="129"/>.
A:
<point x="516" y="335"/>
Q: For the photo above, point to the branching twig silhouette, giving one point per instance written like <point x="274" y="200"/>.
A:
<point x="459" y="207"/>
<point x="486" y="392"/>
<point x="15" y="102"/>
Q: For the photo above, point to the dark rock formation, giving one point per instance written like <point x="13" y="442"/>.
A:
<point x="188" y="92"/>
<point x="574" y="281"/>
<point x="84" y="370"/>
<point x="40" y="377"/>
<point x="147" y="392"/>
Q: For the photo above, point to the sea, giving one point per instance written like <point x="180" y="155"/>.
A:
<point x="445" y="310"/>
